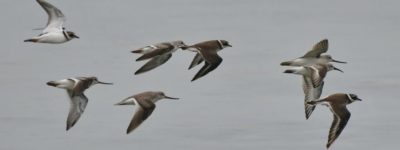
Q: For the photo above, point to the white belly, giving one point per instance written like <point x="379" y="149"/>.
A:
<point x="52" y="37"/>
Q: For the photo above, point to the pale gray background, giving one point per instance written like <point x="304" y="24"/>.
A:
<point x="247" y="103"/>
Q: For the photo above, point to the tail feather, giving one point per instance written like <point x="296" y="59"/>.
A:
<point x="31" y="40"/>
<point x="137" y="51"/>
<point x="51" y="83"/>
<point x="286" y="63"/>
<point x="289" y="71"/>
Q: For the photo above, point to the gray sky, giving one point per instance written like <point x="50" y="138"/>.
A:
<point x="247" y="102"/>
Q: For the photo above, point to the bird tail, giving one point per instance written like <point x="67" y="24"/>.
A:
<point x="286" y="63"/>
<point x="31" y="40"/>
<point x="137" y="51"/>
<point x="51" y="83"/>
<point x="38" y="29"/>
<point x="296" y="70"/>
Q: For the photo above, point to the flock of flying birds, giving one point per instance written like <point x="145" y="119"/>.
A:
<point x="313" y="67"/>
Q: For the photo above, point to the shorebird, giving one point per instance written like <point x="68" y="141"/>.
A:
<point x="313" y="56"/>
<point x="313" y="82"/>
<point x="54" y="32"/>
<point x="145" y="103"/>
<point x="75" y="88"/>
<point x="207" y="51"/>
<point x="337" y="104"/>
<point x="159" y="54"/>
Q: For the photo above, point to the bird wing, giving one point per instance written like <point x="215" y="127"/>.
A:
<point x="79" y="87"/>
<point x="196" y="60"/>
<point x="142" y="113"/>
<point x="161" y="50"/>
<point x="310" y="94"/>
<point x="154" y="63"/>
<point x="317" y="75"/>
<point x="56" y="17"/>
<point x="340" y="119"/>
<point x="318" y="49"/>
<point x="212" y="61"/>
<point x="77" y="107"/>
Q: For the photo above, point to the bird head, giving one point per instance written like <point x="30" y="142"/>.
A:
<point x="353" y="97"/>
<point x="72" y="34"/>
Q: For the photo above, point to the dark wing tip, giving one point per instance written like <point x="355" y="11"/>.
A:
<point x="140" y="58"/>
<point x="128" y="131"/>
<point x="194" y="78"/>
<point x="139" y="72"/>
<point x="328" y="145"/>
<point x="68" y="127"/>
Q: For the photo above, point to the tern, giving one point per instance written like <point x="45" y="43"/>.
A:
<point x="54" y="32"/>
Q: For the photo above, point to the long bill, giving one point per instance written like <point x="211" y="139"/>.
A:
<point x="334" y="68"/>
<point x="105" y="83"/>
<point x="337" y="61"/>
<point x="167" y="97"/>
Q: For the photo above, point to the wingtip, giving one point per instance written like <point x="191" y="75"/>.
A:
<point x="328" y="145"/>
<point x="128" y="131"/>
<point x="138" y="72"/>
<point x="193" y="79"/>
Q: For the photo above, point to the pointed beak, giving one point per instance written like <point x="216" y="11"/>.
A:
<point x="359" y="99"/>
<point x="334" y="68"/>
<point x="104" y="83"/>
<point x="75" y="36"/>
<point x="337" y="61"/>
<point x="173" y="98"/>
<point x="229" y="45"/>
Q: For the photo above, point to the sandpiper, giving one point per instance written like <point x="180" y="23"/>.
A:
<point x="160" y="53"/>
<point x="313" y="82"/>
<point x="337" y="104"/>
<point x="145" y="103"/>
<point x="313" y="56"/>
<point x="207" y="51"/>
<point x="75" y="88"/>
<point x="54" y="32"/>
